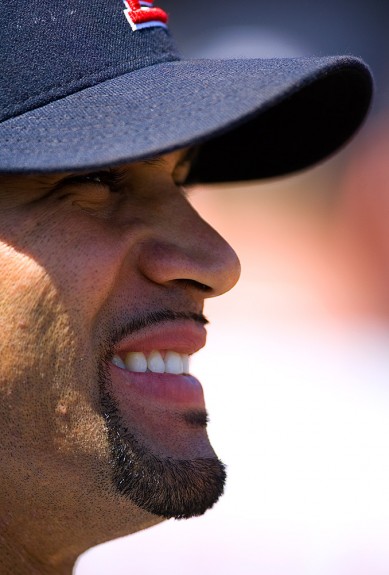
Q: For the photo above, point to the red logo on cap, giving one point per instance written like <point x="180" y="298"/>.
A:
<point x="142" y="14"/>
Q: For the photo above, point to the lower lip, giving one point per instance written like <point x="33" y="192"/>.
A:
<point x="166" y="388"/>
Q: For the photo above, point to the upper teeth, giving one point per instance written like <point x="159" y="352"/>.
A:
<point x="155" y="361"/>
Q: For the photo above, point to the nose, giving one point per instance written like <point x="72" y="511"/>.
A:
<point x="187" y="251"/>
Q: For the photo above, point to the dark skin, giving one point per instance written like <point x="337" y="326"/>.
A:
<point x="81" y="254"/>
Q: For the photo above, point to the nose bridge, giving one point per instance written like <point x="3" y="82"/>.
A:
<point x="185" y="247"/>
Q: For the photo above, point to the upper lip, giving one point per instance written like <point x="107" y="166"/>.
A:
<point x="180" y="335"/>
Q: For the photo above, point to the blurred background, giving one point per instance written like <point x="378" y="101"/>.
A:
<point x="296" y="370"/>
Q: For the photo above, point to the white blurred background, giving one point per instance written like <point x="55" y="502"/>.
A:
<point x="296" y="369"/>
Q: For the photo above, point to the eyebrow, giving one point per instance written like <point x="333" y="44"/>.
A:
<point x="153" y="161"/>
<point x="187" y="156"/>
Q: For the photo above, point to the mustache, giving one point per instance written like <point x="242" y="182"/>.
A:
<point x="150" y="319"/>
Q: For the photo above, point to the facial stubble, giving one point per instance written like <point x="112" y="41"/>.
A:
<point x="165" y="486"/>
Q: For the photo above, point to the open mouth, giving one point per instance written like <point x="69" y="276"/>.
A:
<point x="152" y="403"/>
<point x="152" y="364"/>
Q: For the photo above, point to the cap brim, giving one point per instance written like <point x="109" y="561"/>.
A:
<point x="256" y="118"/>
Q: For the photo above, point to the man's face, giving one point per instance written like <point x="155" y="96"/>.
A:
<point x="102" y="285"/>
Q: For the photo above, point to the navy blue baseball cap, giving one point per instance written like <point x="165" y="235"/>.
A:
<point x="90" y="83"/>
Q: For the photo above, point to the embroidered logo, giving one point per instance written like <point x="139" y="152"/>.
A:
<point x="141" y="14"/>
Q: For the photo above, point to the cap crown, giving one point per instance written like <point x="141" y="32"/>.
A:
<point x="53" y="48"/>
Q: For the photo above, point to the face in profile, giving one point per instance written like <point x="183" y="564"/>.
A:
<point x="104" y="277"/>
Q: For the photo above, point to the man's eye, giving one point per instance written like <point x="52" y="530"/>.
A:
<point x="95" y="178"/>
<point x="99" y="178"/>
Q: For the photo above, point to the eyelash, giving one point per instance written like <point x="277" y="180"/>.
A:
<point x="103" y="178"/>
<point x="111" y="179"/>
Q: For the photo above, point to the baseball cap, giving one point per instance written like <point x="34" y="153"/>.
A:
<point x="87" y="84"/>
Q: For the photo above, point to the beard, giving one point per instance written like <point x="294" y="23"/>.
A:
<point x="164" y="486"/>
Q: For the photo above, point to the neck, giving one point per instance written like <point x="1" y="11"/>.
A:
<point x="23" y="553"/>
<point x="43" y="530"/>
<point x="36" y="535"/>
<point x="48" y="519"/>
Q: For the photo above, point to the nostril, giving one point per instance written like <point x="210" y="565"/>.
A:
<point x="189" y="283"/>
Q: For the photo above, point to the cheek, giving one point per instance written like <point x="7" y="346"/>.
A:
<point x="47" y="381"/>
<point x="22" y="283"/>
<point x="48" y="300"/>
<point x="29" y="309"/>
<point x="77" y="256"/>
<point x="84" y="274"/>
